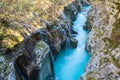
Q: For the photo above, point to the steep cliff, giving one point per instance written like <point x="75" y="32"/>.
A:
<point x="103" y="40"/>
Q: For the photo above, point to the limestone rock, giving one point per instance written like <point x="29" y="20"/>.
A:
<point x="7" y="70"/>
<point x="103" y="41"/>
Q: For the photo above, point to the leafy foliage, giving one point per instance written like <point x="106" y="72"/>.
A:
<point x="28" y="12"/>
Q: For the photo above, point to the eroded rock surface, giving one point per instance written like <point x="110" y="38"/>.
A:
<point x="103" y="41"/>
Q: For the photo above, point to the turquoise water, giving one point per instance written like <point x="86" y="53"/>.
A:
<point x="70" y="63"/>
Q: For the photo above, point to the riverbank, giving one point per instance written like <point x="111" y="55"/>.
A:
<point x="103" y="41"/>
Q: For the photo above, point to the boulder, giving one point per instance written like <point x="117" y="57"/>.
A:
<point x="73" y="43"/>
<point x="29" y="64"/>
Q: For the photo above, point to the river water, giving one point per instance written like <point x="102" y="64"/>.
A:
<point x="70" y="63"/>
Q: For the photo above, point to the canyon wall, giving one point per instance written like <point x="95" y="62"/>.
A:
<point x="103" y="40"/>
<point x="32" y="36"/>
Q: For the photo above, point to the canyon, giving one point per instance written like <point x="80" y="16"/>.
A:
<point x="34" y="33"/>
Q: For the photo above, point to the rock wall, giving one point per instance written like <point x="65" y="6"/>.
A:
<point x="103" y="40"/>
<point x="33" y="58"/>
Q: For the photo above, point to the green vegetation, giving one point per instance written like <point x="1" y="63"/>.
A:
<point x="90" y="78"/>
<point x="90" y="75"/>
<point x="115" y="62"/>
<point x="111" y="43"/>
<point x="114" y="40"/>
<point x="98" y="31"/>
<point x="29" y="9"/>
<point x="15" y="12"/>
<point x="40" y="45"/>
<point x="9" y="37"/>
<point x="116" y="28"/>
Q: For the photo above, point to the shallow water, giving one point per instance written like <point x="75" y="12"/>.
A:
<point x="70" y="63"/>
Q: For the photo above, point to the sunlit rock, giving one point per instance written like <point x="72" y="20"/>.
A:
<point x="103" y="41"/>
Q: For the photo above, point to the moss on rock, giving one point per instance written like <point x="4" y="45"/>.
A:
<point x="40" y="45"/>
<point x="115" y="62"/>
<point x="90" y="76"/>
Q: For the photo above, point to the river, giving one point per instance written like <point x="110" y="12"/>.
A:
<point x="70" y="63"/>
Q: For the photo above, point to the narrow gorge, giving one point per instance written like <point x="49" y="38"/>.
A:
<point x="60" y="40"/>
<point x="70" y="63"/>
